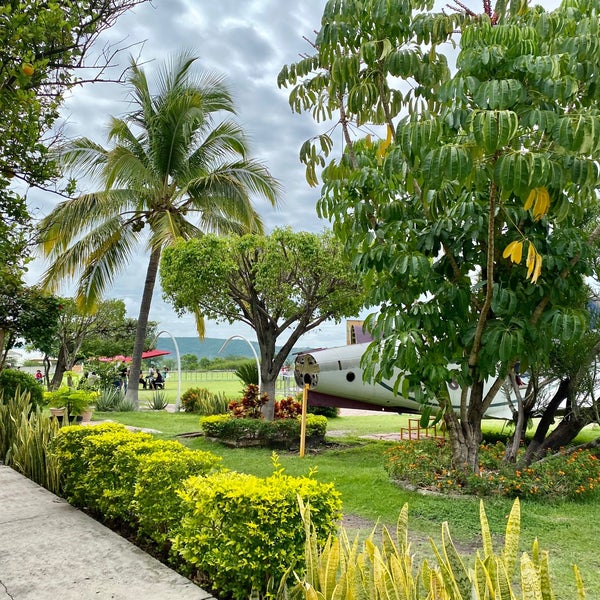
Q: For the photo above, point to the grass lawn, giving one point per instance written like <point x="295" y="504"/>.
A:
<point x="355" y="466"/>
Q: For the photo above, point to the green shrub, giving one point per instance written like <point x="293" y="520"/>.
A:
<point x="158" y="401"/>
<point x="427" y="464"/>
<point x="157" y="506"/>
<point x="67" y="448"/>
<point x="101" y="479"/>
<point x="204" y="402"/>
<point x="278" y="431"/>
<point x="331" y="412"/>
<point x="388" y="570"/>
<point x="243" y="532"/>
<point x="248" y="372"/>
<point x="13" y="381"/>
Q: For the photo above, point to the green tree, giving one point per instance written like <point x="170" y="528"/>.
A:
<point x="104" y="332"/>
<point x="27" y="315"/>
<point x="169" y="161"/>
<point x="45" y="49"/>
<point x="470" y="219"/>
<point x="189" y="362"/>
<point x="282" y="285"/>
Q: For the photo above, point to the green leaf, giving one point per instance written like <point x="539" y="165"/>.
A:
<point x="494" y="129"/>
<point x="499" y="94"/>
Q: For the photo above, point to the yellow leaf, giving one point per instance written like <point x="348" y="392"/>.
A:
<point x="517" y="253"/>
<point x="542" y="203"/>
<point x="384" y="145"/>
<point x="514" y="250"/>
<point x="539" y="199"/>
<point x="538" y="268"/>
<point x="530" y="259"/>
<point x="368" y="141"/>
<point x="530" y="199"/>
<point x="509" y="250"/>
<point x="534" y="263"/>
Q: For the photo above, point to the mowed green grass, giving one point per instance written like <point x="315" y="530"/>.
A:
<point x="355" y="465"/>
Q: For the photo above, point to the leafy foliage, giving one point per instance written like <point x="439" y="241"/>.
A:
<point x="286" y="283"/>
<point x="279" y="432"/>
<point x="483" y="184"/>
<point x="14" y="382"/>
<point x="249" y="407"/>
<point x="204" y="402"/>
<point x="427" y="464"/>
<point x="343" y="569"/>
<point x="157" y="505"/>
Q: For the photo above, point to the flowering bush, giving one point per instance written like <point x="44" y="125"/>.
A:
<point x="427" y="464"/>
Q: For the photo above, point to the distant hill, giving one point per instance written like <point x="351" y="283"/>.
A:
<point x="210" y="347"/>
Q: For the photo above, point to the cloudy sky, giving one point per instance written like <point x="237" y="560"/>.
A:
<point x="248" y="41"/>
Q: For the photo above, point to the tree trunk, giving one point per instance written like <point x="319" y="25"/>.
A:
<point x="142" y="325"/>
<point x="59" y="371"/>
<point x="564" y="434"/>
<point x="465" y="434"/>
<point x="535" y="446"/>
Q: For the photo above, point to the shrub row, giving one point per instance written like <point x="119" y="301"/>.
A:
<point x="240" y="532"/>
<point x="276" y="433"/>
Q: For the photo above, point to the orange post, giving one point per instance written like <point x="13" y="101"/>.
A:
<point x="303" y="421"/>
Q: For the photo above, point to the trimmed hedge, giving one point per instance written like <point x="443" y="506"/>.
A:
<point x="220" y="523"/>
<point x="244" y="532"/>
<point x="156" y="504"/>
<point x="279" y="432"/>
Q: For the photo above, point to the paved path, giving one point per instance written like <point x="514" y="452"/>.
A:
<point x="52" y="551"/>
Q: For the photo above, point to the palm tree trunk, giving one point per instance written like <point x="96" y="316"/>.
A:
<point x="142" y="325"/>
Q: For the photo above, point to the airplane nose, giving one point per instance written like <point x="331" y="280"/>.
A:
<point x="306" y="370"/>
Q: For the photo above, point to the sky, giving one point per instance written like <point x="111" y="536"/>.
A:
<point x="247" y="41"/>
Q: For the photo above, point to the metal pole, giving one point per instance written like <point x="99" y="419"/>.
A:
<point x="178" y="400"/>
<point x="241" y="337"/>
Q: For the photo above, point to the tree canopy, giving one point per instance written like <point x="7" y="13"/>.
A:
<point x="281" y="285"/>
<point x="473" y="219"/>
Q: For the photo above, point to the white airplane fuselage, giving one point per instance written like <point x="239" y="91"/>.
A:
<point x="335" y="378"/>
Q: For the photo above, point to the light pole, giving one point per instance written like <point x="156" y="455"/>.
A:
<point x="241" y="337"/>
<point x="178" y="400"/>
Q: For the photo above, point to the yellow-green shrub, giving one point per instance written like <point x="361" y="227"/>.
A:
<point x="157" y="506"/>
<point x="101" y="477"/>
<point x="67" y="448"/>
<point x="116" y="500"/>
<point x="243" y="532"/>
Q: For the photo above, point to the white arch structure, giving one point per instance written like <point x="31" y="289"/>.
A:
<point x="178" y="400"/>
<point x="241" y="337"/>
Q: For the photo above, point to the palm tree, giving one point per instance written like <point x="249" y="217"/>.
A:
<point x="172" y="171"/>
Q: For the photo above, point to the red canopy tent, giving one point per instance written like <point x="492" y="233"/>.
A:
<point x="121" y="358"/>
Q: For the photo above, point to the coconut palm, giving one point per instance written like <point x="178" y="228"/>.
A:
<point x="171" y="171"/>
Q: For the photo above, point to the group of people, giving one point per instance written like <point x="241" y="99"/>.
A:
<point x="154" y="380"/>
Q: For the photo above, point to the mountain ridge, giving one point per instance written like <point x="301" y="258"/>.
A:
<point x="209" y="347"/>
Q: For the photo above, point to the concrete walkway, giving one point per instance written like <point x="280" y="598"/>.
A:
<point x="50" y="550"/>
